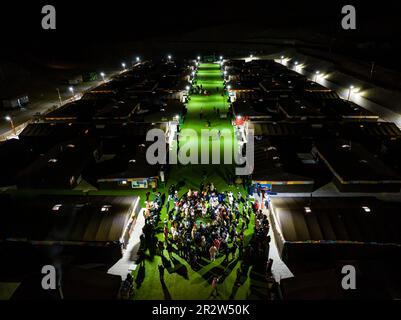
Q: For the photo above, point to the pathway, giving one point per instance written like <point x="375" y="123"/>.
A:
<point x="180" y="280"/>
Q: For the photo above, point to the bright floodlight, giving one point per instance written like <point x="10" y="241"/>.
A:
<point x="169" y="57"/>
<point x="137" y="59"/>
<point x="296" y="62"/>
<point x="187" y="87"/>
<point x="351" y="89"/>
<point x="282" y="57"/>
<point x="239" y="117"/>
<point x="366" y="209"/>
<point x="123" y="65"/>
<point x="221" y="57"/>
<point x="71" y="89"/>
<point x="102" y="74"/>
<point x="317" y="72"/>
<point x="57" y="207"/>
<point x="198" y="57"/>
<point x="228" y="87"/>
<point x="8" y="118"/>
<point x="105" y="208"/>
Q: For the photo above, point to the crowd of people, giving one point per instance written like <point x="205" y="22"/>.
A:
<point x="207" y="224"/>
<point x="198" y="89"/>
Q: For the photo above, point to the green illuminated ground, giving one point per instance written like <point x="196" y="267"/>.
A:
<point x="209" y="76"/>
<point x="180" y="280"/>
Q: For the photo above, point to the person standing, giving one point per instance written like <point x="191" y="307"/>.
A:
<point x="250" y="252"/>
<point x="169" y="249"/>
<point x="256" y="206"/>
<point x="234" y="249"/>
<point x="267" y="200"/>
<point x="267" y="250"/>
<point x="215" y="282"/>
<point x="217" y="243"/>
<point x="240" y="250"/>
<point x="170" y="192"/>
<point x="165" y="232"/>
<point x="227" y="253"/>
<point x="212" y="251"/>
<point x="247" y="220"/>
<point x="167" y="207"/>
<point x="185" y="249"/>
<point x="142" y="239"/>
<point x="180" y="247"/>
<point x="238" y="279"/>
<point x="161" y="272"/>
<point x="198" y="253"/>
<point x="269" y="265"/>
<point x="161" y="248"/>
<point x="203" y="244"/>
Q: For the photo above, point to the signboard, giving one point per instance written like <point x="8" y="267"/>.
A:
<point x="266" y="187"/>
<point x="139" y="184"/>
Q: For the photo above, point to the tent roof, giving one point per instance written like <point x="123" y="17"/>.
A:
<point x="338" y="219"/>
<point x="77" y="219"/>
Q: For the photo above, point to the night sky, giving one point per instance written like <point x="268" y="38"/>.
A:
<point x="86" y="24"/>
<point x="116" y="20"/>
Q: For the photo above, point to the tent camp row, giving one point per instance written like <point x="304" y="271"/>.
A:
<point x="336" y="228"/>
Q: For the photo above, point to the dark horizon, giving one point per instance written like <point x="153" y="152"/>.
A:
<point x="100" y="22"/>
<point x="85" y="28"/>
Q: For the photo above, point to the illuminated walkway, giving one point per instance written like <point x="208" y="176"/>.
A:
<point x="213" y="108"/>
<point x="127" y="263"/>
<point x="279" y="269"/>
<point x="181" y="281"/>
<point x="209" y="76"/>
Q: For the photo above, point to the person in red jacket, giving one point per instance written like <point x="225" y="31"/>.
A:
<point x="217" y="244"/>
<point x="256" y="206"/>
